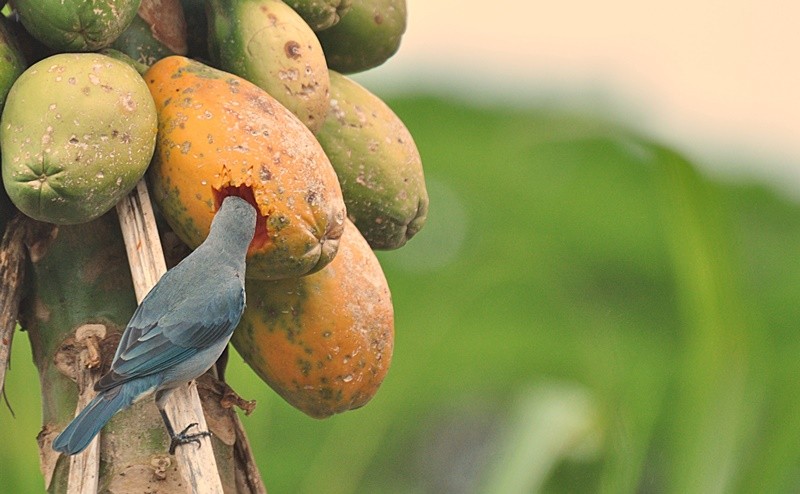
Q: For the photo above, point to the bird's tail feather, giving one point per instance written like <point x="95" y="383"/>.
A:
<point x="80" y="432"/>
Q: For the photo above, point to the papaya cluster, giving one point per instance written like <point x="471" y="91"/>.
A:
<point x="210" y="98"/>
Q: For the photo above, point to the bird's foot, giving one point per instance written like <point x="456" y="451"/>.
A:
<point x="183" y="437"/>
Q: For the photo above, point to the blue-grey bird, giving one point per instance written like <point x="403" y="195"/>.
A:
<point x="177" y="332"/>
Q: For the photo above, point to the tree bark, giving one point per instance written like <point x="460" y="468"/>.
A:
<point x="22" y="236"/>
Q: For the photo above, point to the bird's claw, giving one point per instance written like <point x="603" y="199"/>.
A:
<point x="184" y="438"/>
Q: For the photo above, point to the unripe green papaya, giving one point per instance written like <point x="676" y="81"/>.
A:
<point x="320" y="14"/>
<point x="157" y="31"/>
<point x="12" y="62"/>
<point x="77" y="132"/>
<point x="76" y="25"/>
<point x="138" y="43"/>
<point x="122" y="57"/>
<point x="267" y="43"/>
<point x="366" y="37"/>
<point x="378" y="165"/>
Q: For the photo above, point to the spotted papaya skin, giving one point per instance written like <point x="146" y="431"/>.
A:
<point x="269" y="44"/>
<point x="323" y="342"/>
<point x="378" y="165"/>
<point x="219" y="135"/>
<point x="77" y="132"/>
<point x="76" y="25"/>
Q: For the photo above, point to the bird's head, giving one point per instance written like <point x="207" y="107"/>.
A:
<point x="261" y="236"/>
<point x="235" y="222"/>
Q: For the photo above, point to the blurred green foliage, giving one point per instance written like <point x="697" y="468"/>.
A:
<point x="583" y="312"/>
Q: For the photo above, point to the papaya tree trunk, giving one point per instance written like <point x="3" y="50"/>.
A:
<point x="79" y="298"/>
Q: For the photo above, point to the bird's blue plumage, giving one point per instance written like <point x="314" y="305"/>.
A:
<point x="157" y="342"/>
<point x="180" y="328"/>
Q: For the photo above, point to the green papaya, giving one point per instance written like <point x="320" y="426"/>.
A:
<point x="378" y="165"/>
<point x="77" y="132"/>
<point x="76" y="25"/>
<point x="366" y="37"/>
<point x="138" y="43"/>
<point x="157" y="31"/>
<point x="267" y="43"/>
<point x="122" y="57"/>
<point x="320" y="14"/>
<point x="13" y="63"/>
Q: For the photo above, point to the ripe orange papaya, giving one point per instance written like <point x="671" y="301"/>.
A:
<point x="220" y="135"/>
<point x="324" y="341"/>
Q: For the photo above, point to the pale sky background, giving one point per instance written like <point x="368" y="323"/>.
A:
<point x="717" y="79"/>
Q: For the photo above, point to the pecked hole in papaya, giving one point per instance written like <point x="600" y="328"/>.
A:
<point x="261" y="237"/>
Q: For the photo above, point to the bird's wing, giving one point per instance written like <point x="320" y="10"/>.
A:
<point x="161" y="335"/>
<point x="159" y="300"/>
